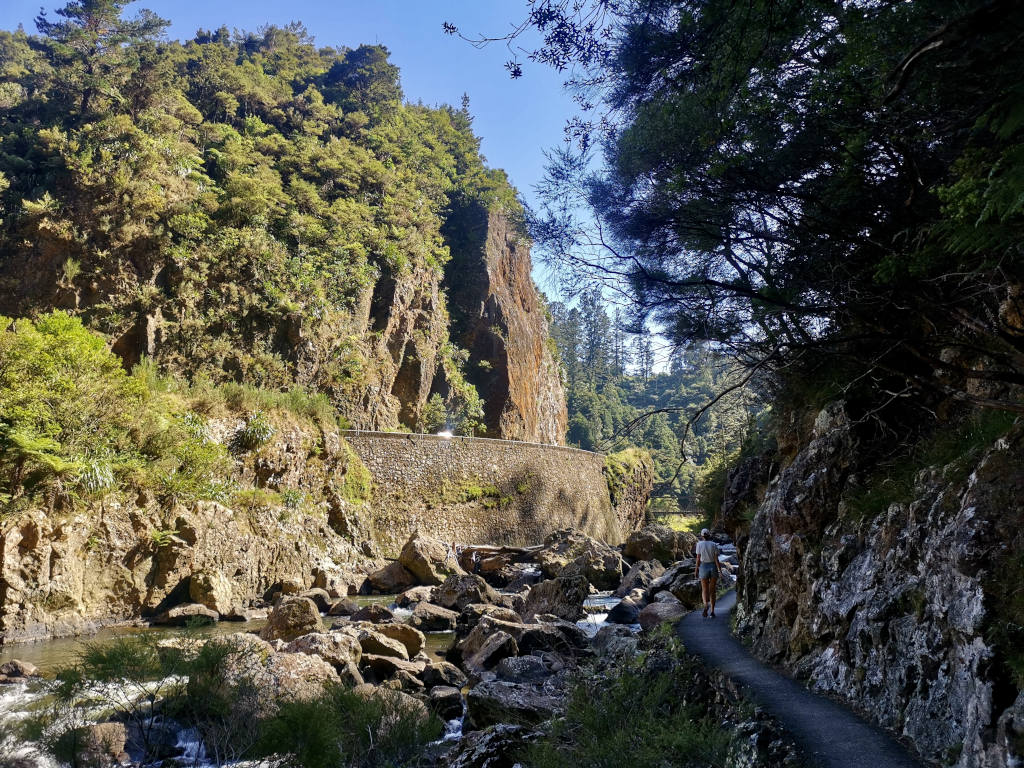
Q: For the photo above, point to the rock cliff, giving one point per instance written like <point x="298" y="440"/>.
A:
<point x="119" y="558"/>
<point x="499" y="318"/>
<point x="910" y="613"/>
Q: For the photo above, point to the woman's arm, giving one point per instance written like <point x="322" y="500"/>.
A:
<point x="696" y="568"/>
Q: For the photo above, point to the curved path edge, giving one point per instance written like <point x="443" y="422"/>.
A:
<point x="830" y="735"/>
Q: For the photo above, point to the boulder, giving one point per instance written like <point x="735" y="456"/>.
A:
<point x="411" y="638"/>
<point x="15" y="668"/>
<point x="381" y="645"/>
<point x="521" y="577"/>
<point x="640" y="576"/>
<point x="495" y="702"/>
<point x="238" y="613"/>
<point x="430" y="561"/>
<point x="472" y="614"/>
<point x="514" y="602"/>
<point x="498" y="746"/>
<point x="291" y="585"/>
<point x="398" y="705"/>
<point x="680" y="581"/>
<point x="344" y="607"/>
<point x="387" y="667"/>
<point x="442" y="673"/>
<point x="624" y="612"/>
<point x="390" y="579"/>
<point x="658" y="613"/>
<point x="615" y="640"/>
<point x="590" y="557"/>
<point x="337" y="649"/>
<point x="562" y="597"/>
<point x="213" y="590"/>
<point x="659" y="542"/>
<point x="460" y="590"/>
<point x="551" y="637"/>
<point x="270" y="676"/>
<point x="428" y="617"/>
<point x="103" y="744"/>
<point x="180" y="615"/>
<point x="446" y="702"/>
<point x="602" y="569"/>
<point x="292" y="618"/>
<point x="495" y="647"/>
<point x="414" y="596"/>
<point x="373" y="613"/>
<point x="320" y="598"/>
<point x="522" y="669"/>
<point x="336" y="583"/>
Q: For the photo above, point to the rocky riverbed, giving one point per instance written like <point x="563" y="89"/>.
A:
<point x="492" y="654"/>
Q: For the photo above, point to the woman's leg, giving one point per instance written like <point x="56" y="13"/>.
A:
<point x="712" y="584"/>
<point x="704" y="594"/>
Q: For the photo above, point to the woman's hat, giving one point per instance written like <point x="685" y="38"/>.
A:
<point x="705" y="532"/>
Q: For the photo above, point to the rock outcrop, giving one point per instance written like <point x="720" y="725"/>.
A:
<point x="901" y="612"/>
<point x="499" y="317"/>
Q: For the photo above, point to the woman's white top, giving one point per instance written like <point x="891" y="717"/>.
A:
<point x="708" y="552"/>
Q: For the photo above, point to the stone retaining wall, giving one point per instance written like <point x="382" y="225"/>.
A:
<point x="479" y="490"/>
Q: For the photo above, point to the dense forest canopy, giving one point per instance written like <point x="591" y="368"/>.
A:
<point x="693" y="418"/>
<point x="829" y="190"/>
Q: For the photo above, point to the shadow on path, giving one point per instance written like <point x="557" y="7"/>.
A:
<point x="830" y="735"/>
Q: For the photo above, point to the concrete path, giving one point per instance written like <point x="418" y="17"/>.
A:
<point x="830" y="735"/>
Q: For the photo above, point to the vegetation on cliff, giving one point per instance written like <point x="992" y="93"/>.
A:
<point x="75" y="427"/>
<point x="242" y="207"/>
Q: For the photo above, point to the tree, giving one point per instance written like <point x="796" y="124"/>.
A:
<point x="93" y="47"/>
<point x="644" y="355"/>
<point x="802" y="182"/>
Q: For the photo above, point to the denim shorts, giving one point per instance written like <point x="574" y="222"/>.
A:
<point x="707" y="570"/>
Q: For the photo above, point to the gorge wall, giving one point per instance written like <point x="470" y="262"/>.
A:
<point x="479" y="490"/>
<point x="911" y="613"/>
<point x="306" y="511"/>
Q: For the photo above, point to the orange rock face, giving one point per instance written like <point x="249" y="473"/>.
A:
<point x="498" y="316"/>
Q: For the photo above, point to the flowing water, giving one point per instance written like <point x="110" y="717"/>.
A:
<point x="17" y="701"/>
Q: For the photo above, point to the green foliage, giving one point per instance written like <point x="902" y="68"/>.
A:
<point x="356" y="482"/>
<point x="75" y="425"/>
<point x="633" y="710"/>
<point x="607" y="397"/>
<point x="250" y="188"/>
<point x="798" y="209"/>
<point x="256" y="431"/>
<point x="161" y="538"/>
<point x="343" y="728"/>
<point x="434" y="416"/>
<point x="620" y="467"/>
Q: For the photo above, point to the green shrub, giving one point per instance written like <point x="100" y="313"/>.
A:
<point x="343" y="728"/>
<point x="619" y="468"/>
<point x="633" y="710"/>
<point x="256" y="431"/>
<point x="356" y="482"/>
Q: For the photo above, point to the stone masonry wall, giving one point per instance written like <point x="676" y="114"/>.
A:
<point x="478" y="490"/>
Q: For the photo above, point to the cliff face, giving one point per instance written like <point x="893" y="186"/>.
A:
<point x="498" y="317"/>
<point x="907" y="614"/>
<point x="124" y="557"/>
<point x="380" y="362"/>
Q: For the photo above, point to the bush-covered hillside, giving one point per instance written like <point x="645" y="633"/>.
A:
<point x="242" y="206"/>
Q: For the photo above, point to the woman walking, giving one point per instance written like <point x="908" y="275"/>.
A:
<point x="707" y="570"/>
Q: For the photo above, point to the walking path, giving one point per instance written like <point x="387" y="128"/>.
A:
<point x="830" y="735"/>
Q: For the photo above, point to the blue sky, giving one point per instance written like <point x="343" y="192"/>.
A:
<point x="517" y="119"/>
